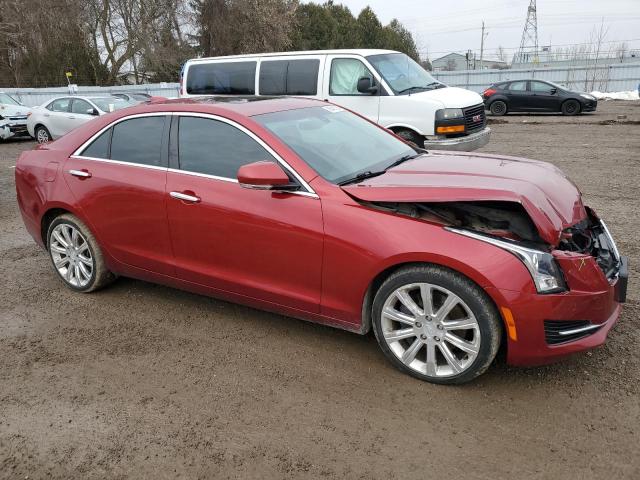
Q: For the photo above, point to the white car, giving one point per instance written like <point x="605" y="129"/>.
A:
<point x="13" y="117"/>
<point x="56" y="117"/>
<point x="385" y="86"/>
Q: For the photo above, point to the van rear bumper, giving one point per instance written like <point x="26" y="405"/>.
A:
<point x="467" y="143"/>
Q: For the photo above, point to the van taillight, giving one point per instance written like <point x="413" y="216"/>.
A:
<point x="488" y="92"/>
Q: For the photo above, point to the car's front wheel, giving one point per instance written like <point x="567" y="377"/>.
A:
<point x="76" y="255"/>
<point x="571" y="107"/>
<point x="436" y="324"/>
<point x="42" y="134"/>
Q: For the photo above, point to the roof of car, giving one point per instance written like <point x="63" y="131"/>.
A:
<point x="244" y="105"/>
<point x="352" y="51"/>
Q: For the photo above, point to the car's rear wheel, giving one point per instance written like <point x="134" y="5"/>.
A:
<point x="498" y="108"/>
<point x="410" y="136"/>
<point x="42" y="134"/>
<point x="76" y="255"/>
<point x="436" y="324"/>
<point x="571" y="107"/>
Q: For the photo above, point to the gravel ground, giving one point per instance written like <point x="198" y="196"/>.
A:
<point x="143" y="381"/>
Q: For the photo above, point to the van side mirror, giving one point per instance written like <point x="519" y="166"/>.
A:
<point x="264" y="176"/>
<point x="366" y="85"/>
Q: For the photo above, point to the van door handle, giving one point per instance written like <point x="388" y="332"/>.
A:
<point x="185" y="197"/>
<point x="80" y="173"/>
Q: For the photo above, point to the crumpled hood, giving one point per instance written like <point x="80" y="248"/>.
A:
<point x="13" y="110"/>
<point x="552" y="200"/>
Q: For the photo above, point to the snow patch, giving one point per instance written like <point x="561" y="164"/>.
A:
<point x="629" y="95"/>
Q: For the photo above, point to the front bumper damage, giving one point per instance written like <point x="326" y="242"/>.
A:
<point x="13" y="127"/>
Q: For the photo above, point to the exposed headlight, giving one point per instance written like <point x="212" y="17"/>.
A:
<point x="587" y="96"/>
<point x="448" y="113"/>
<point x="543" y="268"/>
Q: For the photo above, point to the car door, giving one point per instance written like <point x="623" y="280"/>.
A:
<point x="517" y="95"/>
<point x="256" y="243"/>
<point x="55" y="116"/>
<point x="80" y="112"/>
<point x="118" y="180"/>
<point x="545" y="96"/>
<point x="341" y="85"/>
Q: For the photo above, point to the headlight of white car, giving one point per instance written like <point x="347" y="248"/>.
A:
<point x="543" y="268"/>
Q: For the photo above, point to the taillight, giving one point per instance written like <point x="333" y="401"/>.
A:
<point x="488" y="92"/>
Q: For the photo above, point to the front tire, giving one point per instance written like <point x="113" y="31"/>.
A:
<point x="76" y="255"/>
<point x="42" y="134"/>
<point x="571" y="107"/>
<point x="410" y="136"/>
<point x="498" y="108"/>
<point x="436" y="324"/>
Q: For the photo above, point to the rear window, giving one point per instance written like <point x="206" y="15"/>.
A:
<point x="222" y="78"/>
<point x="289" y="77"/>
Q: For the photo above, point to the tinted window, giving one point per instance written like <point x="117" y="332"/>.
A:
<point x="289" y="77"/>
<point x="80" y="106"/>
<point x="216" y="148"/>
<point x="518" y="86"/>
<point x="220" y="78"/>
<point x="345" y="73"/>
<point x="60" y="105"/>
<point x="99" y="148"/>
<point x="138" y="140"/>
<point x="541" y="87"/>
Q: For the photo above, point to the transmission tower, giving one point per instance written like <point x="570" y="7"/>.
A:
<point x="528" y="51"/>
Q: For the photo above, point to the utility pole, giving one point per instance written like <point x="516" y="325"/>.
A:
<point x="529" y="35"/>
<point x="482" y="45"/>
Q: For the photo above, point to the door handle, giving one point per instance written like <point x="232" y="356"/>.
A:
<point x="80" y="173"/>
<point x="184" y="197"/>
<point x="71" y="117"/>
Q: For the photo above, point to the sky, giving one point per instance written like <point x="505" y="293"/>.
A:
<point x="441" y="27"/>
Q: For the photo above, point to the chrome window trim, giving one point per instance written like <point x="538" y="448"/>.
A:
<point x="77" y="153"/>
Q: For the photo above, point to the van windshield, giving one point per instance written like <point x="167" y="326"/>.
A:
<point x="340" y="146"/>
<point x="403" y="74"/>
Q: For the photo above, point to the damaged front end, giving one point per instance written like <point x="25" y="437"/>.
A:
<point x="584" y="259"/>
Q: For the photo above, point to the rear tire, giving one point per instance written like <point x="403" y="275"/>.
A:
<point x="42" y="134"/>
<point x="571" y="107"/>
<point x="76" y="255"/>
<point x="498" y="108"/>
<point x="410" y="136"/>
<point x="450" y="341"/>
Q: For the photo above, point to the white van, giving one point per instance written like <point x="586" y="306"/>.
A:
<point x="385" y="86"/>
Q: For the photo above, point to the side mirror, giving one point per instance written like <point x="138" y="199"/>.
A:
<point x="365" y="85"/>
<point x="92" y="111"/>
<point x="264" y="176"/>
<point x="554" y="91"/>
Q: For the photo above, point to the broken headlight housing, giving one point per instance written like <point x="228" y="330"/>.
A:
<point x="543" y="268"/>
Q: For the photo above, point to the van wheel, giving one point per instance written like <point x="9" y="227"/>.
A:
<point x="498" y="108"/>
<point x="570" y="107"/>
<point x="410" y="136"/>
<point x="435" y="324"/>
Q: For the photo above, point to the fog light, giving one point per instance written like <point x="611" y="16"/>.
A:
<point x="450" y="129"/>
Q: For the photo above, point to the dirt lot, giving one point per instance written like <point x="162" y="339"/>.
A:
<point x="142" y="381"/>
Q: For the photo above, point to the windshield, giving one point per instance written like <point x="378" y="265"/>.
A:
<point x="335" y="143"/>
<point x="110" y="104"/>
<point x="8" y="99"/>
<point x="402" y="74"/>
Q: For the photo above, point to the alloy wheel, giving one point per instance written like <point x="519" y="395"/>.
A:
<point x="430" y="330"/>
<point x="71" y="255"/>
<point x="42" y="136"/>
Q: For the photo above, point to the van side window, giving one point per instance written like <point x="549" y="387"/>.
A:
<point x="289" y="77"/>
<point x="345" y="73"/>
<point x="216" y="148"/>
<point x="222" y="78"/>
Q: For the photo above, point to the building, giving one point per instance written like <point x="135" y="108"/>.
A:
<point x="456" y="61"/>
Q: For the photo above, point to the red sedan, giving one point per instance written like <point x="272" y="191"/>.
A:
<point x="303" y="208"/>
